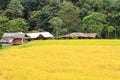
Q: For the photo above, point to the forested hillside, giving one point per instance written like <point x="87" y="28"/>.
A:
<point x="61" y="16"/>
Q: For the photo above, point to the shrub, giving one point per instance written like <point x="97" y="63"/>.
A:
<point x="0" y="46"/>
<point x="74" y="37"/>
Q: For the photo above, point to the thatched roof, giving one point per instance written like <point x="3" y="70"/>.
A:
<point x="83" y="35"/>
<point x="9" y="37"/>
<point x="7" y="40"/>
<point x="14" y="35"/>
<point x="44" y="34"/>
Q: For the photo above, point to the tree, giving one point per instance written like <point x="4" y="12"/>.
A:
<point x="94" y="23"/>
<point x="14" y="10"/>
<point x="54" y="2"/>
<point x="16" y="25"/>
<point x="10" y="13"/>
<point x="56" y="24"/>
<point x="77" y="15"/>
<point x="0" y="46"/>
<point x="110" y="29"/>
<point x="39" y="19"/>
<point x="3" y="21"/>
<point x="70" y="16"/>
<point x="4" y="3"/>
<point x="32" y="5"/>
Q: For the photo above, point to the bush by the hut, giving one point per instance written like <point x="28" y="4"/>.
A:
<point x="74" y="37"/>
<point x="0" y="46"/>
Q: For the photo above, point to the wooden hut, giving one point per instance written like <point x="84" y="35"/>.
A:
<point x="9" y="39"/>
<point x="80" y="35"/>
<point x="40" y="36"/>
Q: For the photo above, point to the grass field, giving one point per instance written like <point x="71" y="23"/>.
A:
<point x="62" y="60"/>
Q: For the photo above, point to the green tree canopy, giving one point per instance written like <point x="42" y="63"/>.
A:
<point x="94" y="23"/>
<point x="3" y="21"/>
<point x="56" y="24"/>
<point x="77" y="15"/>
<point x="16" y="25"/>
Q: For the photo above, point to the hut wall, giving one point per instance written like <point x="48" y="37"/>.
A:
<point x="40" y="37"/>
<point x="18" y="41"/>
<point x="48" y="38"/>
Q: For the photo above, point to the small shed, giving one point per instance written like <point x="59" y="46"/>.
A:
<point x="40" y="36"/>
<point x="80" y="35"/>
<point x="9" y="39"/>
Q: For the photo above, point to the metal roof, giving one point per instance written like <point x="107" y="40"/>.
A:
<point x="44" y="34"/>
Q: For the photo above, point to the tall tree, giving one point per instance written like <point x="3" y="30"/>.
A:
<point x="56" y="24"/>
<point x="110" y="30"/>
<point x="94" y="23"/>
<point x="70" y="16"/>
<point x="16" y="25"/>
<point x="14" y="10"/>
<point x="3" y="21"/>
<point x="4" y="3"/>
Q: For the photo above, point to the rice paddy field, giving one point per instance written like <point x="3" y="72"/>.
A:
<point x="62" y="60"/>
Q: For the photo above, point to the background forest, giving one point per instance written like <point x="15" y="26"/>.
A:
<point x="61" y="16"/>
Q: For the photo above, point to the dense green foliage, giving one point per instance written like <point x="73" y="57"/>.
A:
<point x="61" y="16"/>
<point x="0" y="45"/>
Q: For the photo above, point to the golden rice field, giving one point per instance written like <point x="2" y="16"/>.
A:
<point x="62" y="60"/>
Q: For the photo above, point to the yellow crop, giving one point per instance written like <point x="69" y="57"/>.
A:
<point x="50" y="61"/>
